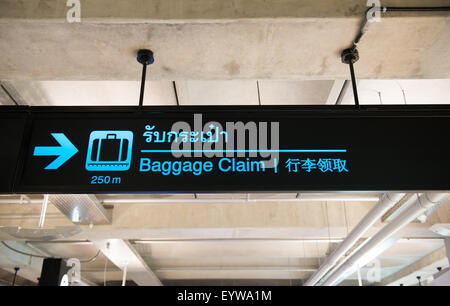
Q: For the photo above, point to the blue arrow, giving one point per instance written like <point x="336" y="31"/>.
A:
<point x="65" y="151"/>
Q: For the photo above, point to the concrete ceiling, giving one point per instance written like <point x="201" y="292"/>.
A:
<point x="217" y="40"/>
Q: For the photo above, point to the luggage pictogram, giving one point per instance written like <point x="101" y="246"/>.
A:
<point x="109" y="151"/>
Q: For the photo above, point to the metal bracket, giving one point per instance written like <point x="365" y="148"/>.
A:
<point x="145" y="57"/>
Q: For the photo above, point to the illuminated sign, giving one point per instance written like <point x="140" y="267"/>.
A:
<point x="225" y="149"/>
<point x="109" y="151"/>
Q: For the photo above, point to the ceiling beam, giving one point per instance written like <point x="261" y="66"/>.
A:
<point x="30" y="267"/>
<point x="123" y="255"/>
<point x="413" y="269"/>
<point x="336" y="92"/>
<point x="447" y="247"/>
<point x="5" y="96"/>
<point x="9" y="95"/>
<point x="240" y="39"/>
<point x="234" y="273"/>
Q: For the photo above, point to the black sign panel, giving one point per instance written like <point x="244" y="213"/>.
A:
<point x="12" y="126"/>
<point x="227" y="149"/>
<point x="54" y="272"/>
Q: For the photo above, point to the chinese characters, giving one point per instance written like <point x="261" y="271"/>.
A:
<point x="322" y="164"/>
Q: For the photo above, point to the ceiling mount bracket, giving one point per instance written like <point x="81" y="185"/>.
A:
<point x="350" y="56"/>
<point x="145" y="57"/>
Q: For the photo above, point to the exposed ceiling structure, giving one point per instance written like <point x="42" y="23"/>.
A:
<point x="266" y="239"/>
<point x="225" y="92"/>
<point x="226" y="54"/>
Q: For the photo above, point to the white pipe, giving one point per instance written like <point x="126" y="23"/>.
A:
<point x="422" y="204"/>
<point x="18" y="201"/>
<point x="124" y="277"/>
<point x="302" y="199"/>
<point x="43" y="211"/>
<point x="244" y="240"/>
<point x="387" y="201"/>
<point x="359" y="277"/>
<point x="35" y="248"/>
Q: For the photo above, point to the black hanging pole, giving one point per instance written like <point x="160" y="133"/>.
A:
<point x="355" y="89"/>
<point x="15" y="275"/>
<point x="141" y="96"/>
<point x="351" y="56"/>
<point x="145" y="57"/>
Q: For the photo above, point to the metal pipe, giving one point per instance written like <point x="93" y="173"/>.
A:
<point x="303" y="198"/>
<point x="35" y="248"/>
<point x="145" y="57"/>
<point x="355" y="90"/>
<point x="342" y="93"/>
<point x="70" y="242"/>
<point x="359" y="277"/>
<point x="124" y="276"/>
<point x="15" y="201"/>
<point x="234" y="240"/>
<point x="386" y="202"/>
<point x="141" y="96"/>
<point x="43" y="211"/>
<point x="416" y="9"/>
<point x="423" y="203"/>
<point x="365" y="24"/>
<point x="16" y="269"/>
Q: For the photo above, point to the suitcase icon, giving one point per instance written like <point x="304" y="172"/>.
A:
<point x="109" y="151"/>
